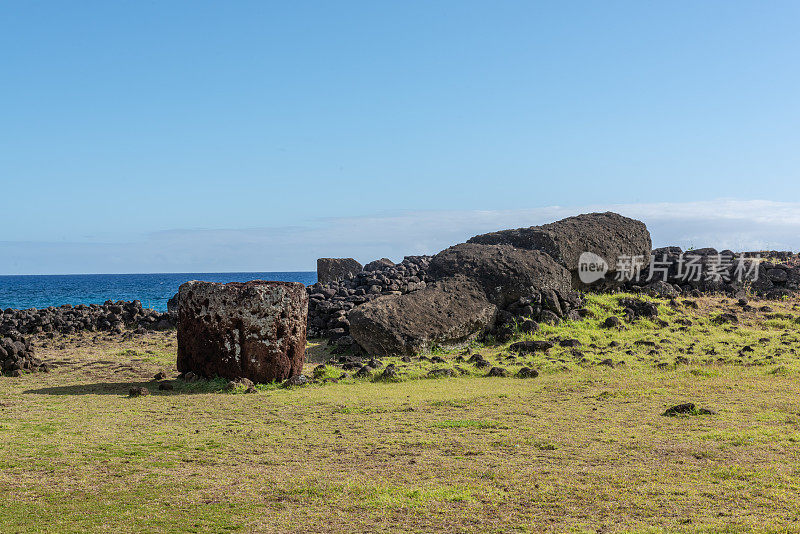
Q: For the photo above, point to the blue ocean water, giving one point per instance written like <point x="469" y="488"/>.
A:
<point x="41" y="291"/>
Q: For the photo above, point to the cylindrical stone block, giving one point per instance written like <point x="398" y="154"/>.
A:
<point x="254" y="330"/>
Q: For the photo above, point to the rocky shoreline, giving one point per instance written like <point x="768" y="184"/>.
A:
<point x="18" y="328"/>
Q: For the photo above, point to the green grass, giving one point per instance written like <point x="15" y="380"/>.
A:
<point x="581" y="448"/>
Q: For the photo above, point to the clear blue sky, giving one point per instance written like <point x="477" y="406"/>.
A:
<point x="123" y="122"/>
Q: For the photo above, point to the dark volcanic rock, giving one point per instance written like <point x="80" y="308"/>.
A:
<point x="390" y="373"/>
<point x="725" y="318"/>
<point x="333" y="269"/>
<point x="17" y="356"/>
<point x="527" y="372"/>
<point x="378" y="265"/>
<point x="608" y="235"/>
<point x="255" y="330"/>
<point x="505" y="273"/>
<point x="531" y="346"/>
<point x="662" y="289"/>
<point x="109" y="316"/>
<point x="330" y="302"/>
<point x="686" y="409"/>
<point x="296" y="381"/>
<point x="172" y="306"/>
<point x="636" y="308"/>
<point x="138" y="391"/>
<point x="497" y="371"/>
<point x="451" y="312"/>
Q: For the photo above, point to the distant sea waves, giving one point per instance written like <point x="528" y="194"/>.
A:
<point x="34" y="291"/>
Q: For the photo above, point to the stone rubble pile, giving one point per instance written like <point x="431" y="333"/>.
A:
<point x="329" y="303"/>
<point x="17" y="356"/>
<point x="109" y="317"/>
<point x="705" y="270"/>
<point x="333" y="269"/>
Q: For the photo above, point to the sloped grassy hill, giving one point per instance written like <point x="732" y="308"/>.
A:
<point x="582" y="448"/>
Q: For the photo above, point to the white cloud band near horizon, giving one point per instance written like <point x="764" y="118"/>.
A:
<point x="724" y="224"/>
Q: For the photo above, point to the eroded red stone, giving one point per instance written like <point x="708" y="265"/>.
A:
<point x="254" y="330"/>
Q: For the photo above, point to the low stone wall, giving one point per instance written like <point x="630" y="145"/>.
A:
<point x="17" y="356"/>
<point x="109" y="317"/>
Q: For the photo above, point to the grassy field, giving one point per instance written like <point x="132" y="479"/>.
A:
<point x="581" y="448"/>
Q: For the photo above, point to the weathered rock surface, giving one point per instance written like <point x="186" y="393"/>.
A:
<point x="608" y="235"/>
<point x="449" y="313"/>
<point x="254" y="330"/>
<point x="505" y="273"/>
<point x="472" y="286"/>
<point x="333" y="269"/>
<point x="379" y="265"/>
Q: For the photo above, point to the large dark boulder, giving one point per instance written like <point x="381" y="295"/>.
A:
<point x="254" y="330"/>
<point x="505" y="273"/>
<point x="448" y="313"/>
<point x="608" y="235"/>
<point x="379" y="265"/>
<point x="333" y="269"/>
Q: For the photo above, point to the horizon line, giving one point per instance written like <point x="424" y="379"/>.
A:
<point x="165" y="272"/>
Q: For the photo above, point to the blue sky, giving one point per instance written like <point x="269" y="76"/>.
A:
<point x="206" y="136"/>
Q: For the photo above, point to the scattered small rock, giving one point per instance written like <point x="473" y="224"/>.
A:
<point x="687" y="408"/>
<point x="527" y="372"/>
<point x="390" y="372"/>
<point x="497" y="371"/>
<point x="296" y="381"/>
<point x="725" y="318"/>
<point x="364" y="371"/>
<point x="529" y="346"/>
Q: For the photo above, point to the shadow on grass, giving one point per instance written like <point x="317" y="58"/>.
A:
<point x="123" y="388"/>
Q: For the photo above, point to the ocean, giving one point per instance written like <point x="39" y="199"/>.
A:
<point x="154" y="290"/>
